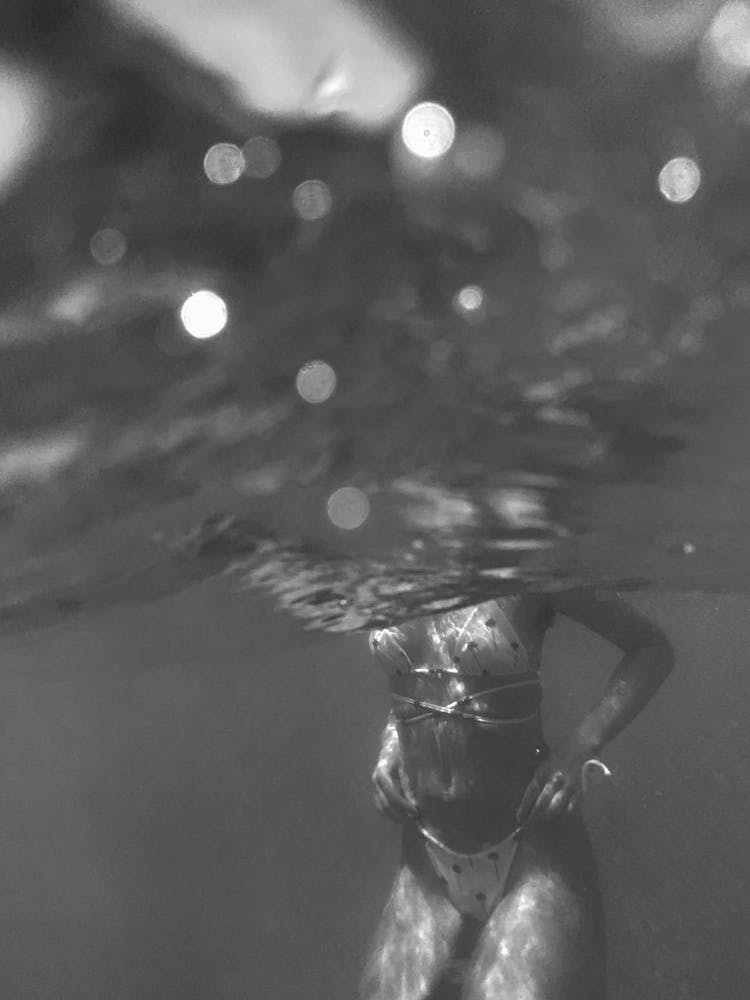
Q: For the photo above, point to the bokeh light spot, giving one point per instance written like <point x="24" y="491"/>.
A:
<point x="204" y="314"/>
<point x="262" y="157"/>
<point x="479" y="152"/>
<point x="679" y="179"/>
<point x="428" y="130"/>
<point x="108" y="246"/>
<point x="316" y="382"/>
<point x="312" y="200"/>
<point x="348" y="508"/>
<point x="224" y="163"/>
<point x="729" y="34"/>
<point x="469" y="300"/>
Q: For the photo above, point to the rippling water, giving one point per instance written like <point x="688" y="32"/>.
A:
<point x="534" y="339"/>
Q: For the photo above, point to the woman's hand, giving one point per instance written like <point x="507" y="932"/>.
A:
<point x="393" y="797"/>
<point x="554" y="791"/>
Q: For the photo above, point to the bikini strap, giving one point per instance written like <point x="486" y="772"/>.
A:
<point x="457" y="709"/>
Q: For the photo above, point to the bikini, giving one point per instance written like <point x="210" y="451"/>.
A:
<point x="482" y="651"/>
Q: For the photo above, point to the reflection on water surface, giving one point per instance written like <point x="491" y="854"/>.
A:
<point x="528" y="291"/>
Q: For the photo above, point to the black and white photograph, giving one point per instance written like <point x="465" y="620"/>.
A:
<point x="374" y="499"/>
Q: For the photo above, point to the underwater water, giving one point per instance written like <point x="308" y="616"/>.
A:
<point x="187" y="814"/>
<point x="265" y="368"/>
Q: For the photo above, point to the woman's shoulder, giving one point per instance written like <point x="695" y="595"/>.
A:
<point x="610" y="615"/>
<point x="530" y="612"/>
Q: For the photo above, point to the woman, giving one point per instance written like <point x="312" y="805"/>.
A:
<point x="496" y="897"/>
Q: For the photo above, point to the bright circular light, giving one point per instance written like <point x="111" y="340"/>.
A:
<point x="108" y="246"/>
<point x="348" y="508"/>
<point x="262" y="157"/>
<point x="428" y="130"/>
<point x="312" y="200"/>
<point x="688" y="548"/>
<point x="224" y="163"/>
<point x="479" y="152"/>
<point x="204" y="314"/>
<point x="316" y="382"/>
<point x="469" y="300"/>
<point x="679" y="179"/>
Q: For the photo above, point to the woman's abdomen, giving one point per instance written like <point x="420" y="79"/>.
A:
<point x="468" y="777"/>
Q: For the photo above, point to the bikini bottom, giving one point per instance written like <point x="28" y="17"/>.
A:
<point x="474" y="883"/>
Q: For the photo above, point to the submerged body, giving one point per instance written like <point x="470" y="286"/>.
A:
<point x="497" y="893"/>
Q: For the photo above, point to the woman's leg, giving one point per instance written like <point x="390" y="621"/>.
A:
<point x="545" y="939"/>
<point x="418" y="933"/>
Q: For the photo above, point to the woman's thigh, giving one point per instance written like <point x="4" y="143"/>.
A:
<point x="416" y="939"/>
<point x="545" y="939"/>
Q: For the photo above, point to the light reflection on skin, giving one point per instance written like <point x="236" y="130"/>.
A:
<point x="413" y="944"/>
<point x="531" y="930"/>
<point x="534" y="930"/>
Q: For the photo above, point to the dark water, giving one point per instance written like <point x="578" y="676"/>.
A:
<point x="186" y="806"/>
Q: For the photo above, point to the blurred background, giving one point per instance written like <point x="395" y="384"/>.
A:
<point x="326" y="314"/>
<point x="381" y="307"/>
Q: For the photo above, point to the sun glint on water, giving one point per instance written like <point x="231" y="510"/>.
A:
<point x="204" y="314"/>
<point x="348" y="508"/>
<point x="316" y="381"/>
<point x="679" y="179"/>
<point x="312" y="200"/>
<point x="224" y="163"/>
<point x="469" y="301"/>
<point x="428" y="130"/>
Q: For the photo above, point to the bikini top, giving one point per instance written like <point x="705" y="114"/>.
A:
<point x="469" y="664"/>
<point x="470" y="641"/>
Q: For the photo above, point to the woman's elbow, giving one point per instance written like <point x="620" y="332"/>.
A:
<point x="663" y="655"/>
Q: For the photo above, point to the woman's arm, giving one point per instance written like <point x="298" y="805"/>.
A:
<point x="647" y="660"/>
<point x="392" y="795"/>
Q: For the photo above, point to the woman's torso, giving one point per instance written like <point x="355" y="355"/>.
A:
<point x="497" y="637"/>
<point x="467" y="775"/>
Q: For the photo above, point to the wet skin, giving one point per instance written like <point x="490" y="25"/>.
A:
<point x="544" y="939"/>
